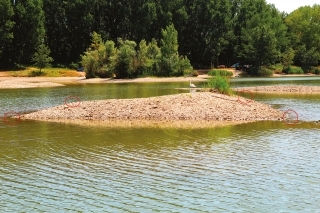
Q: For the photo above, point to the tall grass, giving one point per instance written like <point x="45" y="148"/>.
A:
<point x="220" y="83"/>
<point x="46" y="72"/>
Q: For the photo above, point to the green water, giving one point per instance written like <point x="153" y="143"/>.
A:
<point x="257" y="167"/>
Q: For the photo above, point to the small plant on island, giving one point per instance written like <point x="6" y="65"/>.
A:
<point x="220" y="83"/>
<point x="41" y="58"/>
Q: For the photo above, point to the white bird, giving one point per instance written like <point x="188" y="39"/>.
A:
<point x="192" y="85"/>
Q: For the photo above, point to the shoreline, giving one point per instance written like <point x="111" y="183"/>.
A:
<point x="282" y="89"/>
<point x="40" y="82"/>
<point x="202" y="109"/>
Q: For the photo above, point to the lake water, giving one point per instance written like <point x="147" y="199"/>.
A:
<point x="255" y="167"/>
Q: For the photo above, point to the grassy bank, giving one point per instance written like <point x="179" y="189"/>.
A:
<point x="47" y="72"/>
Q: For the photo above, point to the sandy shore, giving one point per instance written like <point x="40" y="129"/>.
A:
<point x="31" y="82"/>
<point x="201" y="109"/>
<point x="300" y="89"/>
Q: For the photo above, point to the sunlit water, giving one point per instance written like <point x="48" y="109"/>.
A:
<point x="257" y="167"/>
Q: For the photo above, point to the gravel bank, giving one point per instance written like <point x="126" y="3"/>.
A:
<point x="202" y="108"/>
<point x="282" y="89"/>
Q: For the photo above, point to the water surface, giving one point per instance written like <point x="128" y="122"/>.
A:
<point x="255" y="167"/>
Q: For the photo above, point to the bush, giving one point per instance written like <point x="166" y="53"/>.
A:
<point x="35" y="73"/>
<point x="220" y="83"/>
<point x="90" y="63"/>
<point x="313" y="70"/>
<point x="264" y="72"/>
<point x="259" y="71"/>
<point x="194" y="73"/>
<point x="220" y="72"/>
<point x="73" y="66"/>
<point x="190" y="72"/>
<point x="293" y="70"/>
<point x="104" y="73"/>
<point x="277" y="68"/>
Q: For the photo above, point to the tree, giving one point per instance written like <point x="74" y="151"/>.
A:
<point x="169" y="51"/>
<point x="41" y="58"/>
<point x="264" y="46"/>
<point x="287" y="57"/>
<point x="68" y="25"/>
<point x="154" y="54"/>
<point x="97" y="56"/>
<point x="262" y="18"/>
<point x="304" y="32"/>
<point x="6" y="23"/>
<point x="311" y="58"/>
<point x="28" y="32"/>
<point x="126" y="64"/>
<point x="204" y="30"/>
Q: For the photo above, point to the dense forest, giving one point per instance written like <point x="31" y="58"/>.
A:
<point x="209" y="32"/>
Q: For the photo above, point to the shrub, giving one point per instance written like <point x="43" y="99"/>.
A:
<point x="184" y="64"/>
<point x="35" y="73"/>
<point x="194" y="73"/>
<point x="91" y="63"/>
<point x="220" y="72"/>
<point x="264" y="72"/>
<point x="277" y="68"/>
<point x="220" y="83"/>
<point x="293" y="70"/>
<point x="73" y="66"/>
<point x="259" y="71"/>
<point x="314" y="70"/>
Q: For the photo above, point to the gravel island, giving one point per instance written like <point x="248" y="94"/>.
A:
<point x="199" y="109"/>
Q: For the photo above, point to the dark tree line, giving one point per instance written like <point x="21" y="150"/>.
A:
<point x="210" y="32"/>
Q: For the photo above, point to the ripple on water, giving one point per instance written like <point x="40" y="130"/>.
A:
<point x="248" y="167"/>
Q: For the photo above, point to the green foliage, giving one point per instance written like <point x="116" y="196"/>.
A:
<point x="311" y="57"/>
<point x="263" y="71"/>
<point x="220" y="83"/>
<point x="169" y="52"/>
<point x="41" y="58"/>
<point x="209" y="32"/>
<point x="293" y="70"/>
<point x="127" y="62"/>
<point x="73" y="65"/>
<point x="27" y="33"/>
<point x="171" y="64"/>
<point x="277" y="68"/>
<point x="99" y="59"/>
<point x="220" y="72"/>
<point x="304" y="32"/>
<point x="68" y="27"/>
<point x="194" y="73"/>
<point x="90" y="60"/>
<point x="36" y="73"/>
<point x="259" y="71"/>
<point x="262" y="48"/>
<point x="288" y="56"/>
<point x="183" y="64"/>
<point x="6" y="13"/>
<point x="260" y="31"/>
